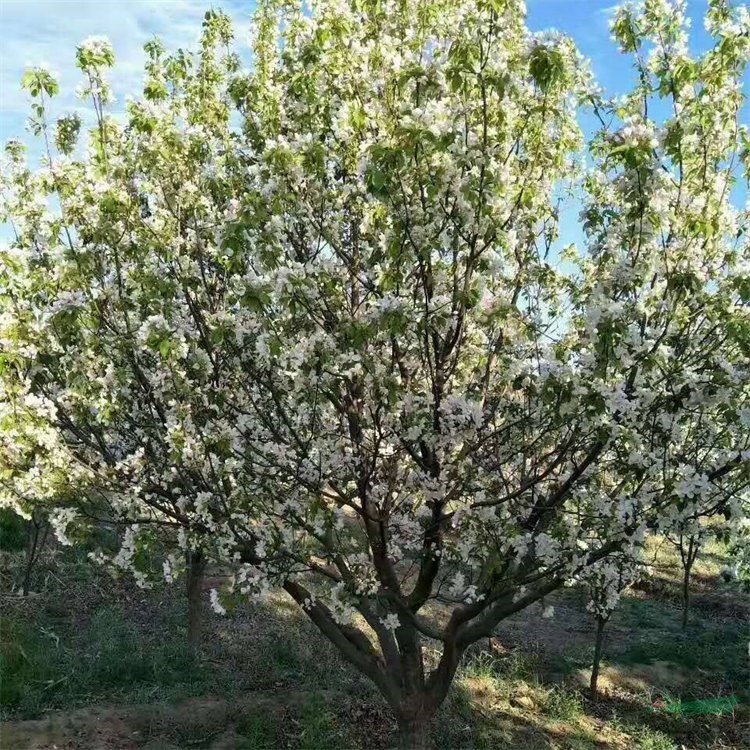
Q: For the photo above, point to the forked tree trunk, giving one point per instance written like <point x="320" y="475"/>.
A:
<point x="196" y="565"/>
<point x="398" y="671"/>
<point x="600" y="623"/>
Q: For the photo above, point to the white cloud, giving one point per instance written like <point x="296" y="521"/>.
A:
<point x="48" y="31"/>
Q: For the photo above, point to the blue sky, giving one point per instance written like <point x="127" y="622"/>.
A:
<point x="47" y="31"/>
<point x="36" y="31"/>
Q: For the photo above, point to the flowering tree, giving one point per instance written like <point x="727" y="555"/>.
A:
<point x="605" y="581"/>
<point x="689" y="535"/>
<point x="688" y="539"/>
<point x="311" y="320"/>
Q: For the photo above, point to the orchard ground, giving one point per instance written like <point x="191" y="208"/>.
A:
<point x="90" y="662"/>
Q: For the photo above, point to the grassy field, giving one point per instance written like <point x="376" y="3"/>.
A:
<point x="92" y="662"/>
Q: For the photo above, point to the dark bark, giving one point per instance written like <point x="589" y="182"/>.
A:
<point x="414" y="715"/>
<point x="688" y="554"/>
<point x="34" y="547"/>
<point x="414" y="735"/>
<point x="686" y="596"/>
<point x="600" y="623"/>
<point x="33" y="536"/>
<point x="196" y="565"/>
<point x="353" y="644"/>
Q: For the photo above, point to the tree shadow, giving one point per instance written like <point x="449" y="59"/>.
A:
<point x="706" y="730"/>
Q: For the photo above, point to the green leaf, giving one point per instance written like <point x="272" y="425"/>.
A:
<point x="546" y="66"/>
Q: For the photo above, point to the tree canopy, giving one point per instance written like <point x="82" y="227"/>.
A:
<point x="313" y="319"/>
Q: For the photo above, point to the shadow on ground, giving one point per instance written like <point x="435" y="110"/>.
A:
<point x="96" y="664"/>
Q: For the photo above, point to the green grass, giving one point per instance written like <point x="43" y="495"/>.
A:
<point x="47" y="666"/>
<point x="285" y="655"/>
<point x="494" y="694"/>
<point x="511" y="667"/>
<point x="311" y="726"/>
<point x="567" y="663"/>
<point x="647" y="614"/>
<point x="716" y="646"/>
<point x="563" y="704"/>
<point x="318" y="728"/>
<point x="651" y="739"/>
<point x="89" y="640"/>
<point x="259" y="731"/>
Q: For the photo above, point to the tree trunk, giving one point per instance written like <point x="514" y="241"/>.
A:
<point x="414" y="715"/>
<point x="34" y="548"/>
<point x="686" y="596"/>
<point x="33" y="536"/>
<point x="600" y="623"/>
<point x="195" y="566"/>
<point x="414" y="735"/>
<point x="688" y="556"/>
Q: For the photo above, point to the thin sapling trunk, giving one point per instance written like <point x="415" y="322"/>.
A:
<point x="37" y="537"/>
<point x="600" y="624"/>
<point x="196" y="565"/>
<point x="688" y="555"/>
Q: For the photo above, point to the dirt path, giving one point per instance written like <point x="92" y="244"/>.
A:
<point x="197" y="722"/>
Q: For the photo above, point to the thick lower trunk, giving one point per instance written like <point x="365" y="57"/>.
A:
<point x="414" y="735"/>
<point x="600" y="623"/>
<point x="414" y="715"/>
<point x="195" y="567"/>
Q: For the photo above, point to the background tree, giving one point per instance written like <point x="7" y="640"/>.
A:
<point x="688" y="545"/>
<point x="310" y="320"/>
<point x="32" y="485"/>
<point x="605" y="582"/>
<point x="195" y="566"/>
<point x="690" y="535"/>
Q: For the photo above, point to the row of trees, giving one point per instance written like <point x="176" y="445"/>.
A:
<point x="311" y="322"/>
